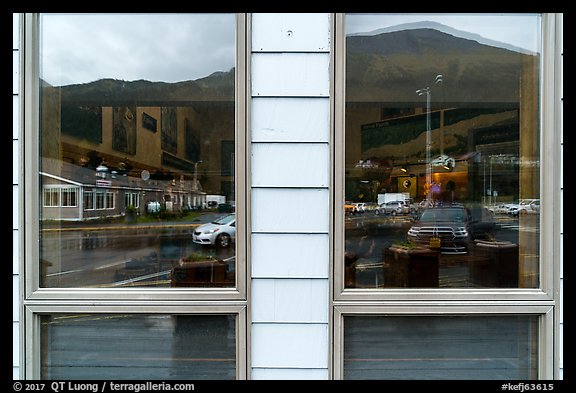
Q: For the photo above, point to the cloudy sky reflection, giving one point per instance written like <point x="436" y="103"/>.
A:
<point x="520" y="30"/>
<point x="81" y="48"/>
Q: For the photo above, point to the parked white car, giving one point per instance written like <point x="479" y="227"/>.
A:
<point x="525" y="206"/>
<point x="530" y="206"/>
<point x="219" y="233"/>
<point x="502" y="208"/>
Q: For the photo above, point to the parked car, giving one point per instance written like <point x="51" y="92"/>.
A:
<point x="349" y="208"/>
<point x="219" y="233"/>
<point x="529" y="206"/>
<point x="393" y="208"/>
<point x="502" y="208"/>
<point x="525" y="206"/>
<point x="360" y="207"/>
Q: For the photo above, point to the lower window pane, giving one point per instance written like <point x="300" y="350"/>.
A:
<point x="446" y="347"/>
<point x="120" y="346"/>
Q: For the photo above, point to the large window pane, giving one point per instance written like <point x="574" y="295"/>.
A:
<point x="447" y="347"/>
<point x="442" y="151"/>
<point x="137" y="137"/>
<point x="138" y="347"/>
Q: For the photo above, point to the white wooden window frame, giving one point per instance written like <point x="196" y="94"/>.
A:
<point x="543" y="301"/>
<point x="36" y="301"/>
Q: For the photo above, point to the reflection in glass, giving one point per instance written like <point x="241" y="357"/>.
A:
<point x="447" y="347"/>
<point x="138" y="347"/>
<point x="442" y="151"/>
<point x="137" y="139"/>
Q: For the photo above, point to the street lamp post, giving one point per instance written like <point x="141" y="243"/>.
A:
<point x="195" y="182"/>
<point x="427" y="91"/>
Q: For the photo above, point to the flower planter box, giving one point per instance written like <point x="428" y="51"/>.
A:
<point x="406" y="267"/>
<point x="205" y="273"/>
<point x="494" y="264"/>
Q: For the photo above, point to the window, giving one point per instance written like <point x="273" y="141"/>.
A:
<point x="88" y="200"/>
<point x="135" y="130"/>
<point x="51" y="197"/>
<point x="56" y="196"/>
<point x="70" y="196"/>
<point x="128" y="346"/>
<point x="137" y="127"/>
<point x="132" y="199"/>
<point x="447" y="124"/>
<point x="426" y="342"/>
<point x="440" y="125"/>
<point x="447" y="347"/>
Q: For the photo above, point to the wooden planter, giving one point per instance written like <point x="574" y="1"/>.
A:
<point x="406" y="267"/>
<point x="494" y="264"/>
<point x="206" y="273"/>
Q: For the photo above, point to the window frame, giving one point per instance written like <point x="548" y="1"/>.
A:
<point x="549" y="184"/>
<point x="30" y="180"/>
<point x="36" y="301"/>
<point x="543" y="301"/>
<point x="33" y="364"/>
<point x="544" y="312"/>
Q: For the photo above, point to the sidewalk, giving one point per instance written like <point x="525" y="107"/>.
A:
<point x="63" y="226"/>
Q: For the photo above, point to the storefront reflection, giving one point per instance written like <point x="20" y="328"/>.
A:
<point x="471" y="143"/>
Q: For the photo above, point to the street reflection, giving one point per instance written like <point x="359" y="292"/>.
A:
<point x="369" y="262"/>
<point x="441" y="154"/>
<point x="135" y="157"/>
<point x="117" y="256"/>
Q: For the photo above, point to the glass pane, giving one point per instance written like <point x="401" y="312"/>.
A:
<point x="138" y="347"/>
<point x="441" y="347"/>
<point x="442" y="145"/>
<point x="137" y="140"/>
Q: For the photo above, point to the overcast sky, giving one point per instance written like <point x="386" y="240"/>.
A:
<point x="521" y="30"/>
<point x="80" y="48"/>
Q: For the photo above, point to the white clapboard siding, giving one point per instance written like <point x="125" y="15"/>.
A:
<point x="290" y="345"/>
<point x="15" y="72"/>
<point x="290" y="165"/>
<point x="298" y="210"/>
<point x="290" y="119"/>
<point x="15" y="208"/>
<point x="289" y="374"/>
<point x="290" y="74"/>
<point x="294" y="300"/>
<point x="290" y="255"/>
<point x="290" y="196"/>
<point x="291" y="32"/>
